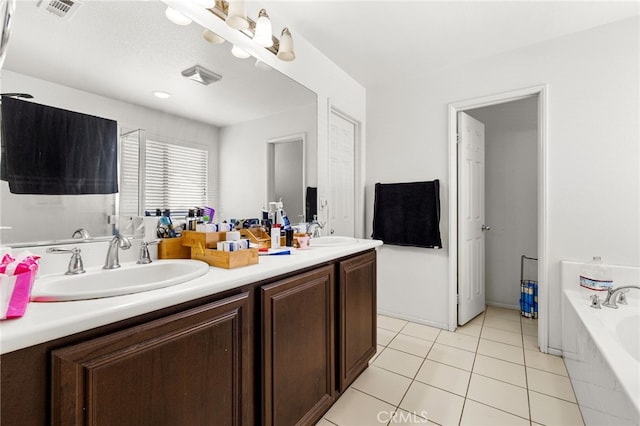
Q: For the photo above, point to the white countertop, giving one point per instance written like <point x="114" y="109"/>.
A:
<point x="43" y="322"/>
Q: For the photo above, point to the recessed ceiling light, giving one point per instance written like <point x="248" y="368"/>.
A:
<point x="160" y="94"/>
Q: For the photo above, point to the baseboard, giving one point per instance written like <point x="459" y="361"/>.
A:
<point x="413" y="319"/>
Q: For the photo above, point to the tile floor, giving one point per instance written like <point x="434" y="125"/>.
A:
<point x="487" y="373"/>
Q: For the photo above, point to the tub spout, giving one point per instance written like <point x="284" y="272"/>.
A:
<point x="614" y="293"/>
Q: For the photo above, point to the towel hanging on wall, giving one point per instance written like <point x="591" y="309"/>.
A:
<point x="408" y="214"/>
<point x="52" y="151"/>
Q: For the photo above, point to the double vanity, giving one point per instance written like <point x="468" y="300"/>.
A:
<point x="274" y="343"/>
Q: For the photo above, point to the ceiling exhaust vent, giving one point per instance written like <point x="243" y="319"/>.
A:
<point x="201" y="75"/>
<point x="65" y="9"/>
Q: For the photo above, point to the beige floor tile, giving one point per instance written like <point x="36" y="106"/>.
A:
<point x="495" y="312"/>
<point x="500" y="370"/>
<point x="390" y="323"/>
<point x="478" y="319"/>
<point x="385" y="336"/>
<point x="445" y="377"/>
<point x="422" y="331"/>
<point x="501" y="351"/>
<point x="530" y="327"/>
<point x="441" y="407"/>
<point x="470" y="329"/>
<point x="546" y="362"/>
<point x="399" y="362"/>
<point x="530" y="342"/>
<point x="451" y="356"/>
<point x="502" y="336"/>
<point x="379" y="349"/>
<point x="355" y="408"/>
<point x="402" y="417"/>
<point x="476" y="414"/>
<point x="547" y="410"/>
<point x="503" y="324"/>
<point x="457" y="340"/>
<point x="324" y="422"/>
<point x="500" y="395"/>
<point x="550" y="384"/>
<point x="412" y="345"/>
<point x="383" y="384"/>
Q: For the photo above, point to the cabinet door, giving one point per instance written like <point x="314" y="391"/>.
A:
<point x="298" y="348"/>
<point x="357" y="327"/>
<point x="192" y="368"/>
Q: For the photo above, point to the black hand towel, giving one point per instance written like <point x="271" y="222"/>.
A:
<point x="408" y="214"/>
<point x="52" y="151"/>
<point x="311" y="203"/>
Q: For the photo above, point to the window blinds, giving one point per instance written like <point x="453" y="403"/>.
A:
<point x="175" y="177"/>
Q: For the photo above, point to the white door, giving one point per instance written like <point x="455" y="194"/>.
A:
<point x="471" y="226"/>
<point x="342" y="197"/>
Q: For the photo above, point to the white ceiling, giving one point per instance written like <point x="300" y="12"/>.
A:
<point x="379" y="41"/>
<point x="127" y="49"/>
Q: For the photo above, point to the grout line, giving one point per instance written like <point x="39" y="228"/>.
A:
<point x="526" y="375"/>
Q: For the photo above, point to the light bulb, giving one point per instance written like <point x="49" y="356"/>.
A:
<point x="237" y="15"/>
<point x="176" y="17"/>
<point x="262" y="34"/>
<point x="239" y="53"/>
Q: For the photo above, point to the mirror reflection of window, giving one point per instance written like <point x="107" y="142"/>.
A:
<point x="173" y="176"/>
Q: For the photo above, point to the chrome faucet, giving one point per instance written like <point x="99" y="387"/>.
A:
<point x="144" y="257"/>
<point x="616" y="295"/>
<point x="75" y="263"/>
<point x="81" y="233"/>
<point x="316" y="231"/>
<point x="118" y="241"/>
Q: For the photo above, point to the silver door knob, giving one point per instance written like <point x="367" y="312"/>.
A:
<point x="485" y="228"/>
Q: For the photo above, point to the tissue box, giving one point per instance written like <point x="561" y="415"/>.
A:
<point x="16" y="280"/>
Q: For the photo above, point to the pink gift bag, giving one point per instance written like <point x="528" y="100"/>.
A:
<point x="16" y="279"/>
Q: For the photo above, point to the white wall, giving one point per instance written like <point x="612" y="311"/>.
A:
<point x="593" y="151"/>
<point x="65" y="214"/>
<point x="243" y="188"/>
<point x="511" y="196"/>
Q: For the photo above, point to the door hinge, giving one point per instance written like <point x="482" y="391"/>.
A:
<point x="457" y="299"/>
<point x="457" y="137"/>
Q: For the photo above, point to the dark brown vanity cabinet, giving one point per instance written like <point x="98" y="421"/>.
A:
<point x="191" y="368"/>
<point x="357" y="316"/>
<point x="298" y="343"/>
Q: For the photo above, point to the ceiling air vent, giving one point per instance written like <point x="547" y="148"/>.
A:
<point x="63" y="8"/>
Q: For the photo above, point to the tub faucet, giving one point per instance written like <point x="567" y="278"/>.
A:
<point x="614" y="294"/>
<point x="118" y="241"/>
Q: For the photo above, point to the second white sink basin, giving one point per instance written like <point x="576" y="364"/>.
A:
<point x="331" y="241"/>
<point x="130" y="278"/>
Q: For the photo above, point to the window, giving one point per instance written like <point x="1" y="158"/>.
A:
<point x="171" y="176"/>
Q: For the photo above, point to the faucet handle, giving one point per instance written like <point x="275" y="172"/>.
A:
<point x="622" y="298"/>
<point x="75" y="263"/>
<point x="144" y="257"/>
<point x="595" y="301"/>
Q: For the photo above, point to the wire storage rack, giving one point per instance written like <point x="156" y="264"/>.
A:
<point x="528" y="287"/>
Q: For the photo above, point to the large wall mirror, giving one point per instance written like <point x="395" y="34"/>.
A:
<point x="107" y="60"/>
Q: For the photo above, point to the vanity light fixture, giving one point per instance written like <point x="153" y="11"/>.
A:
<point x="212" y="37"/>
<point x="237" y="15"/>
<point x="262" y="35"/>
<point x="160" y="94"/>
<point x="285" y="50"/>
<point x="201" y="75"/>
<point x="207" y="4"/>
<point x="239" y="52"/>
<point x="177" y="17"/>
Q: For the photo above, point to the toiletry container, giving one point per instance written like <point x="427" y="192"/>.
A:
<point x="595" y="275"/>
<point x="275" y="236"/>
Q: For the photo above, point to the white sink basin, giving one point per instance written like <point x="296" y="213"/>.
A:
<point x="331" y="241"/>
<point x="130" y="278"/>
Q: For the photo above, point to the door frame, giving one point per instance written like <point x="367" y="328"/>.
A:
<point x="269" y="181"/>
<point x="543" y="294"/>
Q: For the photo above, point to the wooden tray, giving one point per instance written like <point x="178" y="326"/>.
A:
<point x="202" y="239"/>
<point x="226" y="259"/>
<point x="172" y="248"/>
